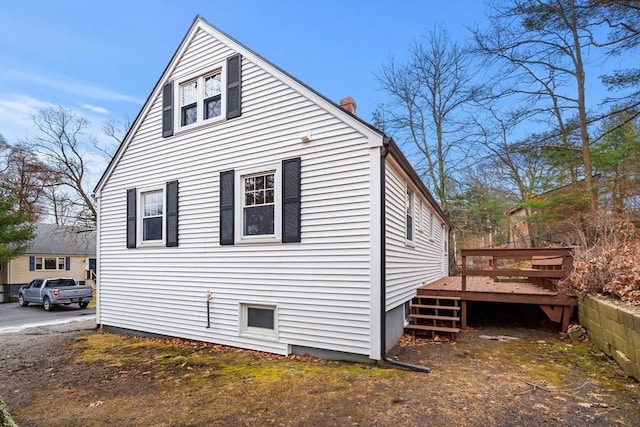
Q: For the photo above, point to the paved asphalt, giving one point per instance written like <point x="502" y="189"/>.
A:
<point x="14" y="318"/>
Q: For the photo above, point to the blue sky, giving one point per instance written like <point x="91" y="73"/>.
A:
<point x="102" y="58"/>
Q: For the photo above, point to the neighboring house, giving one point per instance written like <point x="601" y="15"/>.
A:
<point x="551" y="219"/>
<point x="56" y="250"/>
<point x="243" y="208"/>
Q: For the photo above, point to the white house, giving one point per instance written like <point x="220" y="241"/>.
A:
<point x="243" y="208"/>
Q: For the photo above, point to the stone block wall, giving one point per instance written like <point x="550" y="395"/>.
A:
<point x="614" y="328"/>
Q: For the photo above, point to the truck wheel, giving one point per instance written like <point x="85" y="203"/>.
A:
<point x="83" y="304"/>
<point x="21" y="301"/>
<point x="46" y="304"/>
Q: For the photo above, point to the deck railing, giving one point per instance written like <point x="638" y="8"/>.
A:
<point x="541" y="266"/>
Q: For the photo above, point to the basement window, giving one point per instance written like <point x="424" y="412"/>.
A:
<point x="258" y="321"/>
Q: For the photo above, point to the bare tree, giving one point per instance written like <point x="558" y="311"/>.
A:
<point x="622" y="18"/>
<point x="62" y="142"/>
<point x="61" y="206"/>
<point x="426" y="94"/>
<point x="25" y="178"/>
<point x="540" y="45"/>
<point x="116" y="131"/>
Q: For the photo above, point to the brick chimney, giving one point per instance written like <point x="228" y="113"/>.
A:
<point x="348" y="104"/>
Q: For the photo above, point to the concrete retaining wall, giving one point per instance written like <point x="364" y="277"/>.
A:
<point x="615" y="329"/>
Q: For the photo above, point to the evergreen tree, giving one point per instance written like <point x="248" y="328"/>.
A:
<point x="15" y="231"/>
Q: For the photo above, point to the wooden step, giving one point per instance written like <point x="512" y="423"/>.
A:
<point x="433" y="328"/>
<point x="433" y="317"/>
<point x="436" y="307"/>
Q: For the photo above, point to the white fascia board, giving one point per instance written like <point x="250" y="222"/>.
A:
<point x="149" y="102"/>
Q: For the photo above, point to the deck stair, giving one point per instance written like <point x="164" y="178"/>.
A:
<point x="434" y="313"/>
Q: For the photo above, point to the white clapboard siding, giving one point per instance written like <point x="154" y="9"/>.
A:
<point x="321" y="286"/>
<point x="408" y="265"/>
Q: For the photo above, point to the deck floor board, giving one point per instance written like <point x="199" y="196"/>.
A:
<point x="488" y="290"/>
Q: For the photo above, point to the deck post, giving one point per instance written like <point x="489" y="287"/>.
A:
<point x="463" y="273"/>
<point x="463" y="314"/>
<point x="566" y="316"/>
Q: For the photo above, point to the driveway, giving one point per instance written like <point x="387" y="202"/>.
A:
<point x="14" y="318"/>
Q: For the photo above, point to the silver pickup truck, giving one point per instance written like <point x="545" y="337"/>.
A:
<point x="54" y="291"/>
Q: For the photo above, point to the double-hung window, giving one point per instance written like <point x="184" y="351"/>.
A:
<point x="258" y="209"/>
<point x="410" y="212"/>
<point x="206" y="96"/>
<point x="152" y="216"/>
<point x="201" y="99"/>
<point x="212" y="104"/>
<point x="431" y="225"/>
<point x="49" y="263"/>
<point x="261" y="204"/>
<point x="258" y="204"/>
<point x="189" y="103"/>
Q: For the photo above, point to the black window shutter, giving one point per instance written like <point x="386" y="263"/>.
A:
<point x="131" y="218"/>
<point x="172" y="214"/>
<point x="167" y="109"/>
<point x="226" y="208"/>
<point x="67" y="263"/>
<point x="291" y="206"/>
<point x="234" y="75"/>
<point x="32" y="263"/>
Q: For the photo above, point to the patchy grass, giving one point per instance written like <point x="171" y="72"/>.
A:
<point x="123" y="380"/>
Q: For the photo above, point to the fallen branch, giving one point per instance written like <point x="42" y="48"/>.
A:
<point x="536" y="386"/>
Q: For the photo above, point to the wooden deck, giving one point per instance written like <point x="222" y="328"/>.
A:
<point x="488" y="290"/>
<point x="533" y="285"/>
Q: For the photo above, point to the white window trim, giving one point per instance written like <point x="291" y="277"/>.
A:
<point x="140" y="216"/>
<point x="42" y="258"/>
<point x="431" y="221"/>
<point x="253" y="332"/>
<point x="199" y="76"/>
<point x="412" y="201"/>
<point x="239" y="203"/>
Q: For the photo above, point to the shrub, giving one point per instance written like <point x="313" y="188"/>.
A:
<point x="611" y="266"/>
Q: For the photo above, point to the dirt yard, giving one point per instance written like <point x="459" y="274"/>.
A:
<point x="89" y="378"/>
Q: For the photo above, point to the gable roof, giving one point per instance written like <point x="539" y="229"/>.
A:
<point x="52" y="239"/>
<point x="200" y="23"/>
<point x="379" y="137"/>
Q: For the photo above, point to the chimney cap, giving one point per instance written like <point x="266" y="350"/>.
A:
<point x="348" y="104"/>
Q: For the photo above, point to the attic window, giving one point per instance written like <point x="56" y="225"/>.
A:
<point x="201" y="99"/>
<point x="189" y="103"/>
<point x="207" y="96"/>
<point x="213" y="96"/>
